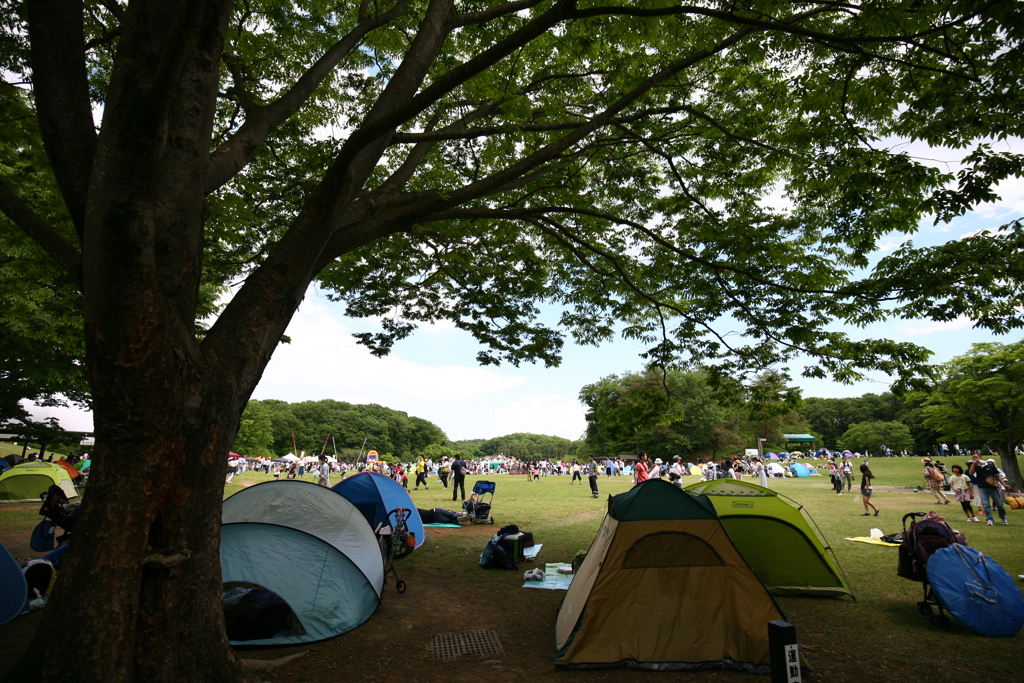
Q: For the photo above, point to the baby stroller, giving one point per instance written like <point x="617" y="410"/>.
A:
<point x="396" y="542"/>
<point x="477" y="509"/>
<point x="56" y="512"/>
<point x="920" y="541"/>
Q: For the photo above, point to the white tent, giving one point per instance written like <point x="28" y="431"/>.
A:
<point x="291" y="457"/>
<point x="311" y="547"/>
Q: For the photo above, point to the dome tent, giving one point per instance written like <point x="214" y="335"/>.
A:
<point x="27" y="482"/>
<point x="375" y="496"/>
<point x="656" y="534"/>
<point x="775" y="538"/>
<point x="309" y="546"/>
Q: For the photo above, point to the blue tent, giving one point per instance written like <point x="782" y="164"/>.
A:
<point x="976" y="590"/>
<point x="376" y="495"/>
<point x="799" y="470"/>
<point x="13" y="589"/>
<point x="772" y="456"/>
<point x="311" y="548"/>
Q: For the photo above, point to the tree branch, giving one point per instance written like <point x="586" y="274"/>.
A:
<point x="239" y="149"/>
<point x="63" y="105"/>
<point x="42" y="233"/>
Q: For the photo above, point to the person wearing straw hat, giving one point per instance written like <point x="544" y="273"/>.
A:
<point x="934" y="478"/>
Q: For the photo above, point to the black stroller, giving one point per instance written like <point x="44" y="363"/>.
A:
<point x="396" y="542"/>
<point x="920" y="541"/>
<point x="477" y="509"/>
<point x="57" y="512"/>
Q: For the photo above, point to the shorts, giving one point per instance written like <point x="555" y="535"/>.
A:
<point x="865" y="491"/>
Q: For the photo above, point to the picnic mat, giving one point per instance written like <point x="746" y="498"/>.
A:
<point x="552" y="579"/>
<point x="531" y="552"/>
<point x="447" y="526"/>
<point x="872" y="541"/>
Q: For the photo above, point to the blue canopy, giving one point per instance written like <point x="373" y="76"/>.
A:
<point x="976" y="590"/>
<point x="375" y="496"/>
<point x="799" y="470"/>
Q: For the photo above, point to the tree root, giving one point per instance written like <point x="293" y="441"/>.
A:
<point x="269" y="664"/>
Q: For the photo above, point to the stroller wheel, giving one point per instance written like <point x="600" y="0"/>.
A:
<point x="924" y="608"/>
<point x="940" y="620"/>
<point x="400" y="586"/>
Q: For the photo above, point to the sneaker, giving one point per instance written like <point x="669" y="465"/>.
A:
<point x="989" y="522"/>
<point x="1006" y="522"/>
<point x="975" y="519"/>
<point x="866" y="514"/>
<point x="876" y="512"/>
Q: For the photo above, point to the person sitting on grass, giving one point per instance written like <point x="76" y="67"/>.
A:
<point x="865" y="489"/>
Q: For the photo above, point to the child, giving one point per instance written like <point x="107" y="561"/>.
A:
<point x="961" y="486"/>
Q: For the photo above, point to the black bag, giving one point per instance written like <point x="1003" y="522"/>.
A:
<point x="528" y="539"/>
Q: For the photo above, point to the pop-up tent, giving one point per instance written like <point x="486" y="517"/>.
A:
<point x="376" y="495"/>
<point x="775" y="538"/>
<point x="663" y="587"/>
<point x="311" y="548"/>
<point x="799" y="470"/>
<point x="27" y="482"/>
<point x="13" y="589"/>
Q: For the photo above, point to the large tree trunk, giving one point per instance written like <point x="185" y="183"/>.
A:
<point x="144" y="558"/>
<point x="1010" y="466"/>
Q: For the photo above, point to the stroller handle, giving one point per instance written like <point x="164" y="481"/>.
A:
<point x="911" y="516"/>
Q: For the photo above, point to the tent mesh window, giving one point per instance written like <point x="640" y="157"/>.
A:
<point x="451" y="646"/>
<point x="671" y="549"/>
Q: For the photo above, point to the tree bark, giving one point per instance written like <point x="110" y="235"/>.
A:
<point x="163" y="426"/>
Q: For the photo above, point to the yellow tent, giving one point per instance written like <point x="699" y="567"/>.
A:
<point x="663" y="587"/>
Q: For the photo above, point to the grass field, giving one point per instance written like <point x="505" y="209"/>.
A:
<point x="880" y="636"/>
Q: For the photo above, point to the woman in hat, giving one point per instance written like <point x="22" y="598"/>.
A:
<point x="934" y="480"/>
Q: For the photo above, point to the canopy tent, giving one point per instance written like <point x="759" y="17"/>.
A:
<point x="799" y="470"/>
<point x="27" y="482"/>
<point x="662" y="553"/>
<point x="309" y="546"/>
<point x="799" y="438"/>
<point x="376" y="496"/>
<point x="775" y="537"/>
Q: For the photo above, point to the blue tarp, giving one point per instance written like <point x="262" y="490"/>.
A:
<point x="976" y="590"/>
<point x="799" y="470"/>
<point x="375" y="496"/>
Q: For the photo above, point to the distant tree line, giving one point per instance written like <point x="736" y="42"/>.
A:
<point x="267" y="428"/>
<point x="976" y="400"/>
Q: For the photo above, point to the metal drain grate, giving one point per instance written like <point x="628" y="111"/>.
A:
<point x="451" y="646"/>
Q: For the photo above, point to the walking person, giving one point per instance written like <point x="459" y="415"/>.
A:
<point x="592" y="476"/>
<point x="576" y="473"/>
<point x="324" y="478"/>
<point x="459" y="478"/>
<point x="443" y="471"/>
<point x="961" y="486"/>
<point x="846" y="470"/>
<point x="866" y="478"/>
<point x="421" y="474"/>
<point x="934" y="480"/>
<point x="986" y="475"/>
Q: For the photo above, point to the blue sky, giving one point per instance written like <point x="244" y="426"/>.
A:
<point x="433" y="374"/>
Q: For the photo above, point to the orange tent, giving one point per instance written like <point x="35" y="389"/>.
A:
<point x="72" y="472"/>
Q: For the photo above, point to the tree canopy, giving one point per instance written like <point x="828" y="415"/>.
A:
<point x="980" y="395"/>
<point x="869" y="437"/>
<point x="269" y="426"/>
<point x="468" y="161"/>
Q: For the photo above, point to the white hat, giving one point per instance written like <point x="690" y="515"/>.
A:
<point x="657" y="461"/>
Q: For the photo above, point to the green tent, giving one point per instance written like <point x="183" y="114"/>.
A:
<point x="775" y="538"/>
<point x="26" y="483"/>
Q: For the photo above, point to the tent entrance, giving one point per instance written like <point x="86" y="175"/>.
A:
<point x="671" y="549"/>
<point x="252" y="612"/>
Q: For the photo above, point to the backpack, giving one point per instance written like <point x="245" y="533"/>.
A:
<point x="501" y="553"/>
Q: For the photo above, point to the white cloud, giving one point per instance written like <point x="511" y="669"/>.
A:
<point x="324" y="361"/>
<point x="932" y="326"/>
<point x="552" y="414"/>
